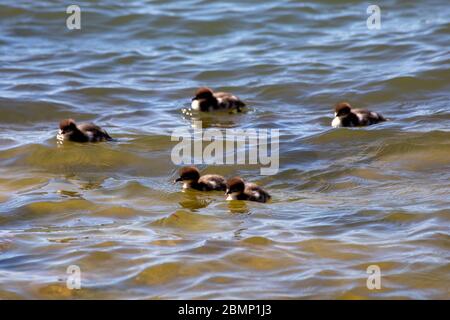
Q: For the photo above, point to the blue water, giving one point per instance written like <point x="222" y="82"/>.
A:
<point x="343" y="199"/>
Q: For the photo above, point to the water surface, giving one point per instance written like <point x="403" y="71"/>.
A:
<point x="342" y="200"/>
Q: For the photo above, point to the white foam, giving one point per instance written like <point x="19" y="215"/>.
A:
<point x="60" y="136"/>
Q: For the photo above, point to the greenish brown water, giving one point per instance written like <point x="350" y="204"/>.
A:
<point x="342" y="200"/>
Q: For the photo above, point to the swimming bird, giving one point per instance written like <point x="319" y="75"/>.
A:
<point x="345" y="116"/>
<point x="207" y="100"/>
<point x="237" y="189"/>
<point x="84" y="132"/>
<point x="190" y="176"/>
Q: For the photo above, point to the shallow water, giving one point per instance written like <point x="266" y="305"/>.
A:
<point x="342" y="200"/>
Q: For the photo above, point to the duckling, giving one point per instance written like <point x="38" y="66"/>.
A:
<point x="190" y="176"/>
<point x="237" y="189"/>
<point x="345" y="116"/>
<point x="207" y="100"/>
<point x="84" y="132"/>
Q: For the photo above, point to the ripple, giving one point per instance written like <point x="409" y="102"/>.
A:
<point x="343" y="199"/>
<point x="189" y="221"/>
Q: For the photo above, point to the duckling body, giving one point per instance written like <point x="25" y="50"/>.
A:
<point x="84" y="132"/>
<point x="237" y="189"/>
<point x="206" y="100"/>
<point x="345" y="116"/>
<point x="190" y="176"/>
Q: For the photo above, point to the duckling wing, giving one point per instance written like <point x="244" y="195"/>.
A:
<point x="94" y="132"/>
<point x="211" y="182"/>
<point x="367" y="117"/>
<point x="256" y="193"/>
<point x="227" y="100"/>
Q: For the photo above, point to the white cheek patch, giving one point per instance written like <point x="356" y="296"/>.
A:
<point x="195" y="105"/>
<point x="232" y="196"/>
<point x="186" y="185"/>
<point x="336" y="123"/>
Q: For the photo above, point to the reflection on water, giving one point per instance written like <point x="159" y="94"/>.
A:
<point x="238" y="207"/>
<point x="194" y="202"/>
<point x="342" y="199"/>
<point x="218" y="119"/>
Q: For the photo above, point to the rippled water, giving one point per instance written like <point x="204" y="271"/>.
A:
<point x="343" y="199"/>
